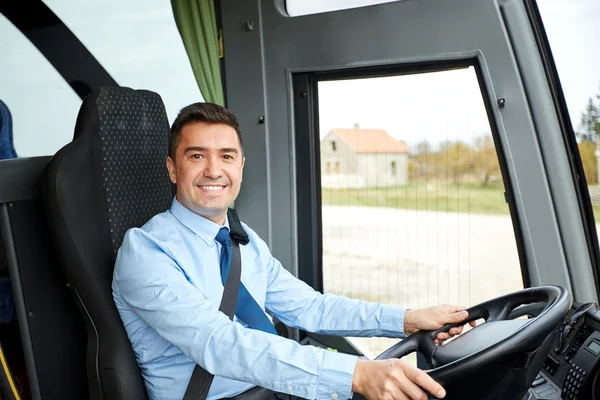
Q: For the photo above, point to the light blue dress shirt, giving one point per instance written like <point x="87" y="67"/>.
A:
<point x="167" y="288"/>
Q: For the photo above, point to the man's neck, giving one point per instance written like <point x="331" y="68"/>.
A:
<point x="218" y="219"/>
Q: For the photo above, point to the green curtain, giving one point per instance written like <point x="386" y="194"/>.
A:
<point x="197" y="26"/>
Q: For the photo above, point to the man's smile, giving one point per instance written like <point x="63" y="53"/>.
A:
<point x="212" y="188"/>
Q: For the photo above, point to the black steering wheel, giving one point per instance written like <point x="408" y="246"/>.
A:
<point x="500" y="351"/>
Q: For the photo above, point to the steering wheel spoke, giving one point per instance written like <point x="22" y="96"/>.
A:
<point x="401" y="349"/>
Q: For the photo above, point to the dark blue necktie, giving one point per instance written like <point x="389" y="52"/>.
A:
<point x="247" y="308"/>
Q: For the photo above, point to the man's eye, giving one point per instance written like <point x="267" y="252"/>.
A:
<point x="228" y="157"/>
<point x="196" y="156"/>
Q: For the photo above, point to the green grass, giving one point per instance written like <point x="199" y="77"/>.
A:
<point x="422" y="196"/>
<point x="429" y="196"/>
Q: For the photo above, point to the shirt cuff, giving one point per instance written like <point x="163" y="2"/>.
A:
<point x="335" y="378"/>
<point x="392" y="321"/>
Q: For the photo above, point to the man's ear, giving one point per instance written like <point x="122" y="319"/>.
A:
<point x="171" y="169"/>
<point x="242" y="168"/>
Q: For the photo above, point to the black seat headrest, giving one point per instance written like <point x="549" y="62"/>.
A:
<point x="111" y="177"/>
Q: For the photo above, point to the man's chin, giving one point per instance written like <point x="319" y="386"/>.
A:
<point x="208" y="210"/>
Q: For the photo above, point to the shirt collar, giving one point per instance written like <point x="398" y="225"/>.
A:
<point x="202" y="227"/>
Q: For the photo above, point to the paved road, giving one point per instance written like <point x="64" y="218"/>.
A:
<point x="417" y="259"/>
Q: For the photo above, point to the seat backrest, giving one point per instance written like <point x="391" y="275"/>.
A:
<point x="111" y="177"/>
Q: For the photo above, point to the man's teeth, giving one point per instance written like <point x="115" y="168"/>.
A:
<point x="212" y="187"/>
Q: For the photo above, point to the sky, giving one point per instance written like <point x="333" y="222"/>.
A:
<point x="573" y="29"/>
<point x="144" y="50"/>
<point x="435" y="106"/>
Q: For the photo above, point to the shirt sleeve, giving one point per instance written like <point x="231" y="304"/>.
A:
<point x="153" y="285"/>
<point x="298" y="305"/>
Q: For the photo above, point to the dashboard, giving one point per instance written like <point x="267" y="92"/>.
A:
<point x="572" y="369"/>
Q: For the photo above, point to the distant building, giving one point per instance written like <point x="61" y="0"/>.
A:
<point x="359" y="158"/>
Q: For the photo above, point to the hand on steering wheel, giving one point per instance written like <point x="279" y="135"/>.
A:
<point x="433" y="318"/>
<point x="393" y="379"/>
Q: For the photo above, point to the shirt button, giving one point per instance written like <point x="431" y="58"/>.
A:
<point x="209" y="238"/>
<point x="289" y="388"/>
<point x="334" y="396"/>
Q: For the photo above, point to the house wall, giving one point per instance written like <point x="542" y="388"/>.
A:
<point x="376" y="169"/>
<point x="339" y="168"/>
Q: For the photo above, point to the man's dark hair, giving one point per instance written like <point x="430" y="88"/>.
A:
<point x="201" y="112"/>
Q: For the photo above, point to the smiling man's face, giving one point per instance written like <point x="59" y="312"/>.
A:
<point x="207" y="169"/>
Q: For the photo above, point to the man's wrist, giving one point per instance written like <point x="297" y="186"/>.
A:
<point x="409" y="323"/>
<point x="357" y="376"/>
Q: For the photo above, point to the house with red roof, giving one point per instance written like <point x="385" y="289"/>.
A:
<point x="359" y="158"/>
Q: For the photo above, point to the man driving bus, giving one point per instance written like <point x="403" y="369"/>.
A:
<point x="168" y="284"/>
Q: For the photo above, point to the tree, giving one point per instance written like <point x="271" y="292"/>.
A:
<point x="456" y="160"/>
<point x="423" y="147"/>
<point x="424" y="162"/>
<point x="588" y="159"/>
<point x="485" y="159"/>
<point x="589" y="125"/>
<point x="589" y="139"/>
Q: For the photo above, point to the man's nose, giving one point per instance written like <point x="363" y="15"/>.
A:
<point x="213" y="168"/>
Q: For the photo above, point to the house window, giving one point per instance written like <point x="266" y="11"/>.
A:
<point x="336" y="169"/>
<point x="328" y="168"/>
<point x="393" y="168"/>
<point x="333" y="146"/>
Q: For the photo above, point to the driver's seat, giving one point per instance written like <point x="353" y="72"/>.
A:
<point x="111" y="177"/>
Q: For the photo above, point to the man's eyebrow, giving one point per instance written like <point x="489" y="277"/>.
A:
<point x="194" y="148"/>
<point x="200" y="148"/>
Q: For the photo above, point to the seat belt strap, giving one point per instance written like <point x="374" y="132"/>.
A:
<point x="201" y="379"/>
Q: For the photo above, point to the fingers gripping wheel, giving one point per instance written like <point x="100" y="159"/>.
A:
<point x="497" y="359"/>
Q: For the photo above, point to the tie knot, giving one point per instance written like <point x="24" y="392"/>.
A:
<point x="223" y="237"/>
